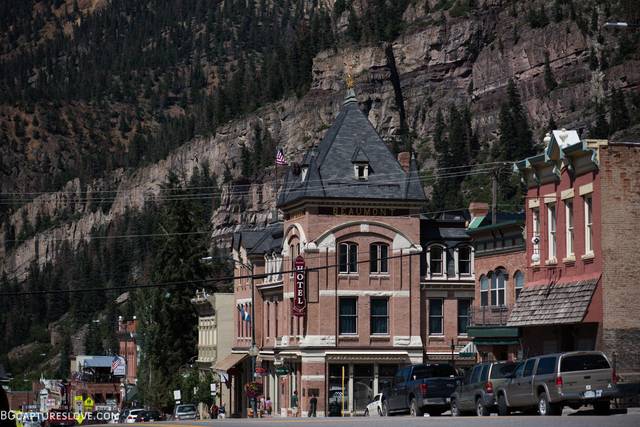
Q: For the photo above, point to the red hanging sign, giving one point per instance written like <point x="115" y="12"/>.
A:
<point x="300" y="291"/>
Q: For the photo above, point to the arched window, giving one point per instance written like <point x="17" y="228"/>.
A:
<point x="378" y="254"/>
<point x="518" y="279"/>
<point x="498" y="280"/>
<point x="436" y="260"/>
<point x="464" y="260"/>
<point x="484" y="291"/>
<point x="348" y="257"/>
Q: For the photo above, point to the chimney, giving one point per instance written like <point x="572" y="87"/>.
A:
<point x="477" y="209"/>
<point x="404" y="158"/>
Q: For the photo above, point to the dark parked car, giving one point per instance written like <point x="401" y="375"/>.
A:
<point x="553" y="381"/>
<point x="476" y="391"/>
<point x="149" y="416"/>
<point x="421" y="388"/>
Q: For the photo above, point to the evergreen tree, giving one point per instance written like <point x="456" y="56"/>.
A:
<point x="619" y="112"/>
<point x="515" y="143"/>
<point x="549" y="80"/>
<point x="65" y="355"/>
<point x="167" y="319"/>
<point x="600" y="128"/>
<point x="246" y="159"/>
<point x="92" y="341"/>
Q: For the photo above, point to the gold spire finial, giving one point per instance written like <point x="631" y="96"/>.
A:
<point x="349" y="80"/>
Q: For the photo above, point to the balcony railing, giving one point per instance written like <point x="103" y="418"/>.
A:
<point x="490" y="315"/>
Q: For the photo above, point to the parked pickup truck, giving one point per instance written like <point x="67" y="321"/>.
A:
<point x="552" y="381"/>
<point x="420" y="388"/>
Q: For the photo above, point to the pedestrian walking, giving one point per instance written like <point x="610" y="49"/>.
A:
<point x="213" y="411"/>
<point x="294" y="403"/>
<point x="313" y="404"/>
<point x="221" y="412"/>
<point x="268" y="405"/>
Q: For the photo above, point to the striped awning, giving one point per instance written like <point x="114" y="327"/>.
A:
<point x="469" y="350"/>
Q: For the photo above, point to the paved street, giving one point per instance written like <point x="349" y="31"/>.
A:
<point x="580" y="419"/>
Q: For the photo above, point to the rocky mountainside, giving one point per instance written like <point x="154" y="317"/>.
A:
<point x="439" y="52"/>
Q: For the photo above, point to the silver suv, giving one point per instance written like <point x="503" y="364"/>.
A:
<point x="553" y="381"/>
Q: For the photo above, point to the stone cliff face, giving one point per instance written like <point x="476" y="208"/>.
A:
<point x="438" y="60"/>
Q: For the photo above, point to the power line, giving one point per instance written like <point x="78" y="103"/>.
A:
<point x="187" y="282"/>
<point x="138" y="189"/>
<point x="212" y="195"/>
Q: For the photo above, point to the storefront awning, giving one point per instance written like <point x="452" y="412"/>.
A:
<point x="553" y="304"/>
<point x="493" y="332"/>
<point x="496" y="342"/>
<point x="469" y="350"/>
<point x="229" y="362"/>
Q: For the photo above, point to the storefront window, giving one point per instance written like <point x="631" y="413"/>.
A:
<point x="337" y="396"/>
<point x="385" y="376"/>
<point x="362" y="386"/>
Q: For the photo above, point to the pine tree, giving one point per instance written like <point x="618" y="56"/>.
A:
<point x="601" y="127"/>
<point x="549" y="80"/>
<point x="246" y="159"/>
<point x="65" y="355"/>
<point x="168" y="321"/>
<point x="515" y="143"/>
<point x="619" y="112"/>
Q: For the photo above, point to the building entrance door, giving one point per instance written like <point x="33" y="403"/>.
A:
<point x="338" y="390"/>
<point x="362" y="387"/>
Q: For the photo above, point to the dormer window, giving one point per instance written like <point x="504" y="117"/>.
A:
<point x="360" y="162"/>
<point x="361" y="171"/>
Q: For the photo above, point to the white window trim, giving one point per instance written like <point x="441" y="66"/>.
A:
<point x="569" y="226"/>
<point x="552" y="244"/>
<point x="379" y="260"/>
<point x="437" y="334"/>
<point x="535" y="219"/>
<point x="487" y="291"/>
<point x="497" y="289"/>
<point x="456" y="261"/>
<point x="356" y="170"/>
<point x="588" y="226"/>
<point x="349" y="272"/>
<point x="442" y="275"/>
<point x="515" y="283"/>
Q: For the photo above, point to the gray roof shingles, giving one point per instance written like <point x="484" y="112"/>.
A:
<point x="331" y="173"/>
<point x="553" y="304"/>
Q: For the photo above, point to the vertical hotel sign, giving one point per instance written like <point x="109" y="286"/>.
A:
<point x="300" y="291"/>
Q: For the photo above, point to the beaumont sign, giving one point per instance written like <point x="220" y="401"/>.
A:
<point x="300" y="291"/>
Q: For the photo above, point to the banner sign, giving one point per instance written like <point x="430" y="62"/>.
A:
<point x="300" y="292"/>
<point x="118" y="366"/>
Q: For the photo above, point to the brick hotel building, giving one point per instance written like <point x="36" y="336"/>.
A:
<point x="386" y="285"/>
<point x="374" y="298"/>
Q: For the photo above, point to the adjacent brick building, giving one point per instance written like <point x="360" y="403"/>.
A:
<point x="500" y="265"/>
<point x="581" y="289"/>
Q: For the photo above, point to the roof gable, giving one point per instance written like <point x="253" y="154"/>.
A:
<point x="352" y="138"/>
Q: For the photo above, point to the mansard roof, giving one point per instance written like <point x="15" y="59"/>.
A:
<point x="260" y="240"/>
<point x="350" y="139"/>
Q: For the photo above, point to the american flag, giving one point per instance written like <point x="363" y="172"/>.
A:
<point x="116" y="362"/>
<point x="280" y="160"/>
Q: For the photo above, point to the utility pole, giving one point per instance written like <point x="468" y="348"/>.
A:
<point x="494" y="195"/>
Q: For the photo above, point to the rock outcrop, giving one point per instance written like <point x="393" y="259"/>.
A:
<point x="439" y="60"/>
